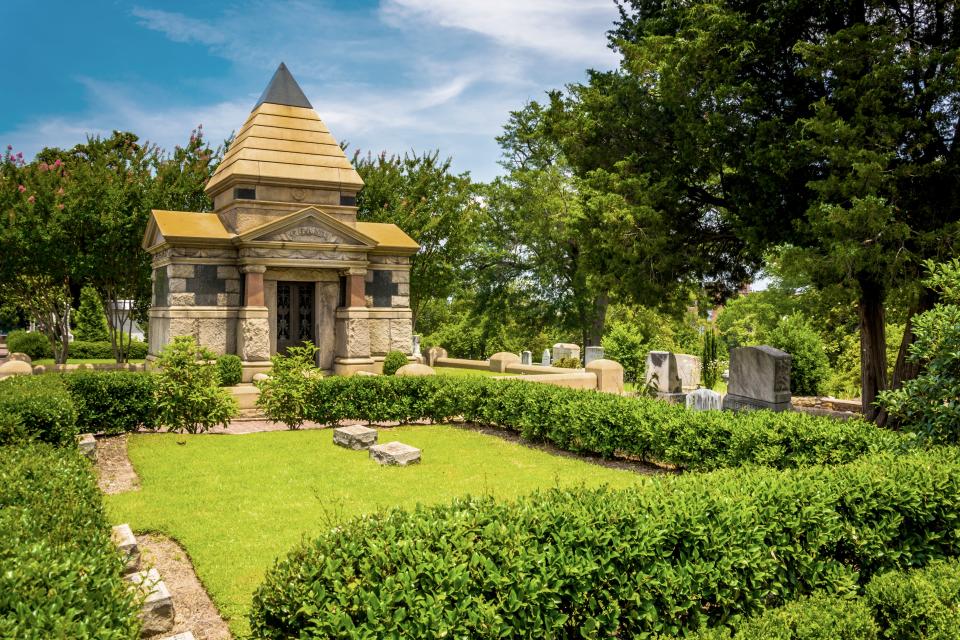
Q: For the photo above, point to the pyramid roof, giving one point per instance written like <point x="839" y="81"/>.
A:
<point x="285" y="142"/>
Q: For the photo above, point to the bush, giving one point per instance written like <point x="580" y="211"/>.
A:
<point x="928" y="405"/>
<point x="566" y="363"/>
<point x="897" y="605"/>
<point x="672" y="555"/>
<point x="603" y="424"/>
<point x="809" y="365"/>
<point x="229" y="369"/>
<point x="283" y="395"/>
<point x="393" y="361"/>
<point x="137" y="350"/>
<point x="91" y="320"/>
<point x="62" y="573"/>
<point x="37" y="407"/>
<point x="188" y="394"/>
<point x="113" y="402"/>
<point x="31" y="343"/>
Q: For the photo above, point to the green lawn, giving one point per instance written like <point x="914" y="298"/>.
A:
<point x="238" y="502"/>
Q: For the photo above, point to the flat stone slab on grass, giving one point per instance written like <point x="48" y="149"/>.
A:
<point x="157" y="611"/>
<point x="355" y="436"/>
<point x="395" y="453"/>
<point x="88" y="445"/>
<point x="123" y="537"/>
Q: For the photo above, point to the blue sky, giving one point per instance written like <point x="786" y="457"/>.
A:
<point x="392" y="75"/>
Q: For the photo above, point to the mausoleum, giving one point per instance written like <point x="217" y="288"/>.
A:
<point x="282" y="258"/>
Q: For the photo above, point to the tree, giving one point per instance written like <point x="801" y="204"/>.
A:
<point x="90" y="319"/>
<point x="40" y="251"/>
<point x="422" y="196"/>
<point x="829" y="128"/>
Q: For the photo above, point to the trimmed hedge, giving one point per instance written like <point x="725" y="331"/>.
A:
<point x="603" y="424"/>
<point x="672" y="556"/>
<point x="32" y="343"/>
<point x="61" y="574"/>
<point x="897" y="605"/>
<point x="37" y="407"/>
<point x="137" y="350"/>
<point x="113" y="402"/>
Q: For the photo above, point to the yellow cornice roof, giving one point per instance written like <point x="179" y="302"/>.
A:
<point x="281" y="144"/>
<point x="387" y="236"/>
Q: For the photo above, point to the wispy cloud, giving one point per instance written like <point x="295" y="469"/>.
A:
<point x="410" y="74"/>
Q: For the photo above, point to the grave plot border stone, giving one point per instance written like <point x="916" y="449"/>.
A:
<point x="355" y="437"/>
<point x="395" y="453"/>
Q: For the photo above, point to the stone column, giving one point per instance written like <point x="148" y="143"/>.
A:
<point x="253" y="326"/>
<point x="353" y="327"/>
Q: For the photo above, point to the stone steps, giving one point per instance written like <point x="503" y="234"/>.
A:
<point x="357" y="437"/>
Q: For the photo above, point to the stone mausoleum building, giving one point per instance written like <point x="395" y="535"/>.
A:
<point x="282" y="259"/>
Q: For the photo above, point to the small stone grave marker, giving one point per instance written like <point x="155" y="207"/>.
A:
<point x="355" y="436"/>
<point x="395" y="453"/>
<point x="545" y="358"/>
<point x="156" y="612"/>
<point x="704" y="400"/>
<point x="526" y="357"/>
<point x="592" y="353"/>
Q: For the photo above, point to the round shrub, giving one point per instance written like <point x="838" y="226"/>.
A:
<point x="393" y="361"/>
<point x="230" y="369"/>
<point x="37" y="407"/>
<point x="809" y="365"/>
<point x="136" y="350"/>
<point x="567" y="363"/>
<point x="31" y="343"/>
<point x="113" y="402"/>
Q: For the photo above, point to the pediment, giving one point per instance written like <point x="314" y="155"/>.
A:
<point x="308" y="226"/>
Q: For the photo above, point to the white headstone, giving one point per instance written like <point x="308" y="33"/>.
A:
<point x="592" y="353"/>
<point x="416" y="346"/>
<point x="526" y="357"/>
<point x="704" y="400"/>
<point x="688" y="368"/>
<point x="545" y="358"/>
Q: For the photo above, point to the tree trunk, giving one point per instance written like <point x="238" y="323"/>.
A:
<point x="599" y="320"/>
<point x="904" y="369"/>
<point x="873" y="346"/>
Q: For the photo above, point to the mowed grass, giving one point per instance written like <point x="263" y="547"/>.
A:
<point x="457" y="371"/>
<point x="237" y="502"/>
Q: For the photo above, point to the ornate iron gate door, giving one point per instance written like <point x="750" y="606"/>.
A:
<point x="295" y="314"/>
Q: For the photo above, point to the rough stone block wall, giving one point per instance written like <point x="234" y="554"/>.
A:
<point x="387" y="288"/>
<point x="203" y="285"/>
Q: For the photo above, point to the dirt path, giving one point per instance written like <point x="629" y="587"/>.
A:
<point x="193" y="608"/>
<point x="115" y="474"/>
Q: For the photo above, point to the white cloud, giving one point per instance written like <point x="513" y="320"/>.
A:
<point x="566" y="29"/>
<point x="413" y="74"/>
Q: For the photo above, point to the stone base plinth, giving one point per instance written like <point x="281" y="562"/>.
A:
<point x="253" y="334"/>
<point x="250" y="369"/>
<point x="349" y="366"/>
<point x="355" y="436"/>
<point x="675" y="398"/>
<point x="88" y="445"/>
<point x="395" y="453"/>
<point x="732" y="402"/>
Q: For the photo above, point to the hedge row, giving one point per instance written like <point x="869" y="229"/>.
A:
<point x="112" y="402"/>
<point x="672" y="556"/>
<point x="897" y="605"/>
<point x="61" y="574"/>
<point x="37" y="346"/>
<point x="603" y="424"/>
<point x="37" y="408"/>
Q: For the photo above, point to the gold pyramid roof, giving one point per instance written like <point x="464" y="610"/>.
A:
<point x="285" y="144"/>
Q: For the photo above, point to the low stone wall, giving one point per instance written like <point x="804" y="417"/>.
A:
<point x="537" y="369"/>
<point x="461" y="363"/>
<point x="106" y="366"/>
<point x="571" y="380"/>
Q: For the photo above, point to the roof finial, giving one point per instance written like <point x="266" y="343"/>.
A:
<point x="283" y="89"/>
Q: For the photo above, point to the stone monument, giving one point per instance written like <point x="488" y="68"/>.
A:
<point x="664" y="376"/>
<point x="565" y="350"/>
<point x="688" y="368"/>
<point x="416" y="346"/>
<point x="545" y="358"/>
<point x="282" y="259"/>
<point x="526" y="357"/>
<point x="592" y="353"/>
<point x="759" y="379"/>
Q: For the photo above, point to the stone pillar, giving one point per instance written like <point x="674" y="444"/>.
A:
<point x="253" y="326"/>
<point x="353" y="327"/>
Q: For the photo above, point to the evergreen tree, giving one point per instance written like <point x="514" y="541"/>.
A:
<point x="91" y="320"/>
